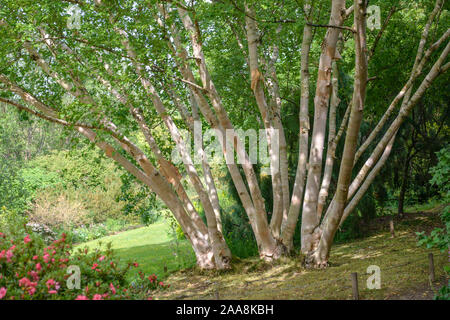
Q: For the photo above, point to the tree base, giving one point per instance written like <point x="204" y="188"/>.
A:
<point x="313" y="261"/>
<point x="279" y="250"/>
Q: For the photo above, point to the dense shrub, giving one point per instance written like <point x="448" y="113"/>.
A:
<point x="13" y="193"/>
<point x="238" y="233"/>
<point x="59" y="212"/>
<point x="95" y="231"/>
<point x="66" y="185"/>
<point x="30" y="269"/>
<point x="439" y="237"/>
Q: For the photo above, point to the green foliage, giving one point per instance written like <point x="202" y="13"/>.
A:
<point x="441" y="172"/>
<point x="138" y="201"/>
<point x="13" y="193"/>
<point x="82" y="181"/>
<point x="22" y="139"/>
<point x="439" y="237"/>
<point x="238" y="232"/>
<point x="30" y="269"/>
<point x="11" y="222"/>
<point x="96" y="231"/>
<point x="79" y="168"/>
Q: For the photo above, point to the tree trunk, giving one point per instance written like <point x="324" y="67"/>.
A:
<point x="269" y="249"/>
<point x="267" y="117"/>
<point x="403" y="188"/>
<point x="309" y="213"/>
<point x="288" y="227"/>
<point x="320" y="256"/>
<point x="329" y="162"/>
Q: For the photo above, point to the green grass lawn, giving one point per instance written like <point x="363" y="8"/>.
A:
<point x="403" y="264"/>
<point x="151" y="246"/>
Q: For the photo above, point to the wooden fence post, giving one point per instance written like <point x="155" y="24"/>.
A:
<point x="431" y="266"/>
<point x="217" y="294"/>
<point x="354" y="277"/>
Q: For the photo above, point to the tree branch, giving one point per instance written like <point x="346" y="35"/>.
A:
<point x="331" y="26"/>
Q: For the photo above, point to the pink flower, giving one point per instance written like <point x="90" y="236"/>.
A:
<point x="46" y="257"/>
<point x="31" y="291"/>
<point x="2" y="292"/>
<point x="101" y="258"/>
<point x="113" y="290"/>
<point x="27" y="239"/>
<point x="95" y="265"/>
<point x="52" y="291"/>
<point x="97" y="297"/>
<point x="24" y="282"/>
<point x="9" y="255"/>
<point x="80" y="297"/>
<point x="50" y="283"/>
<point x="34" y="275"/>
<point x="3" y="253"/>
<point x="38" y="266"/>
<point x="136" y="264"/>
<point x="35" y="257"/>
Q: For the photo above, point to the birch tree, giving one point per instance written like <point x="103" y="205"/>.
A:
<point x="130" y="65"/>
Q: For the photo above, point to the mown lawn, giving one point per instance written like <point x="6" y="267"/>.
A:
<point x="151" y="247"/>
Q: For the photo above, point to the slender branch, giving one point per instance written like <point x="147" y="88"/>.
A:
<point x="331" y="26"/>
<point x="380" y="33"/>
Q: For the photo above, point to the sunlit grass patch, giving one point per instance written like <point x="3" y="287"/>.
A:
<point x="403" y="265"/>
<point x="151" y="247"/>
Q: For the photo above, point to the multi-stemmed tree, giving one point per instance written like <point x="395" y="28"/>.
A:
<point x="113" y="68"/>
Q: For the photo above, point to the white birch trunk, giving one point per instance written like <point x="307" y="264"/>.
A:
<point x="309" y="214"/>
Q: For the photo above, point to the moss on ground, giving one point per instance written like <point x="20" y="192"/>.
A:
<point x="404" y="268"/>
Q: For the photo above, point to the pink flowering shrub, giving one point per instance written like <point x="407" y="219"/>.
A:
<point x="30" y="269"/>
